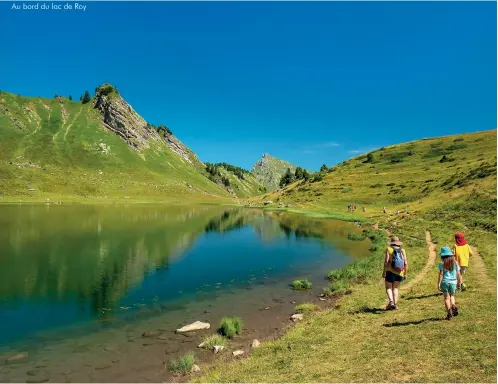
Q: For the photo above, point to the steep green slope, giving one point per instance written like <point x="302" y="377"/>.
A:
<point x="269" y="170"/>
<point x="59" y="148"/>
<point x="237" y="181"/>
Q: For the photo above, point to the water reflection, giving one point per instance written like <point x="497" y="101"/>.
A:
<point x="80" y="262"/>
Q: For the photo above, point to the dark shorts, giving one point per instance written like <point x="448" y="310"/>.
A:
<point x="392" y="277"/>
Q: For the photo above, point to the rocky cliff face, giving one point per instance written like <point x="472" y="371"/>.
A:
<point x="119" y="117"/>
<point x="269" y="170"/>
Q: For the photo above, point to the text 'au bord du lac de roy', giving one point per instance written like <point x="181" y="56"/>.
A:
<point x="56" y="6"/>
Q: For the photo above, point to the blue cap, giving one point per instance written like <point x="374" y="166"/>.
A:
<point x="446" y="252"/>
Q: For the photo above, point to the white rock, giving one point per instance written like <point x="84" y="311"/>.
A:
<point x="195" y="368"/>
<point x="218" y="348"/>
<point x="255" y="343"/>
<point x="321" y="298"/>
<point x="198" y="325"/>
<point x="297" y="316"/>
<point x="238" y="352"/>
<point x="201" y="345"/>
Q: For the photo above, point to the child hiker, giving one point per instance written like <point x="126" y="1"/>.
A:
<point x="449" y="276"/>
<point x="462" y="253"/>
<point x="395" y="269"/>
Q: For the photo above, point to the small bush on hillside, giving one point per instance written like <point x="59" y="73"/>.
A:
<point x="355" y="237"/>
<point x="370" y="158"/>
<point x="301" y="284"/>
<point x="346" y="190"/>
<point x="306" y="308"/>
<point x="455" y="147"/>
<point x="458" y="139"/>
<point x="231" y="326"/>
<point x="378" y="185"/>
<point x="210" y="341"/>
<point x="183" y="365"/>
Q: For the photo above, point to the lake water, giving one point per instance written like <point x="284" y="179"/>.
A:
<point x="81" y="283"/>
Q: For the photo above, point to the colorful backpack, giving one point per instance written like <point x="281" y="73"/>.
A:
<point x="398" y="261"/>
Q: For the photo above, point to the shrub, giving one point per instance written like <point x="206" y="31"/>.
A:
<point x="231" y="326"/>
<point x="306" y="308"/>
<point x="327" y="291"/>
<point x="301" y="284"/>
<point x="334" y="274"/>
<point x="210" y="341"/>
<point x="183" y="365"/>
<point x="355" y="237"/>
<point x="338" y="286"/>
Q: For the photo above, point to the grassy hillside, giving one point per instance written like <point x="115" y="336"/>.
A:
<point x="238" y="181"/>
<point x="56" y="148"/>
<point x="447" y="185"/>
<point x="418" y="176"/>
<point x="269" y="170"/>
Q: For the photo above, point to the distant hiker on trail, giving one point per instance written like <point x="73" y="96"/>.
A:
<point x="449" y="276"/>
<point x="395" y="270"/>
<point x="384" y="210"/>
<point x="462" y="253"/>
<point x="364" y="209"/>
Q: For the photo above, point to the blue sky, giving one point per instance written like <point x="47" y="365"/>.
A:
<point x="311" y="83"/>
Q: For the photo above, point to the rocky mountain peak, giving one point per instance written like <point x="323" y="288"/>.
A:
<point x="119" y="117"/>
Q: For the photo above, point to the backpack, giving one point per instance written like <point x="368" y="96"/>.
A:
<point x="398" y="261"/>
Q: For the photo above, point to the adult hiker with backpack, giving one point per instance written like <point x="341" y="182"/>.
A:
<point x="395" y="270"/>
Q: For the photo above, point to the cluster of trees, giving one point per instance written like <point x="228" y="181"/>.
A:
<point x="161" y="129"/>
<point x="237" y="171"/>
<point x="85" y="98"/>
<point x="214" y="174"/>
<point x="289" y="177"/>
<point x="302" y="174"/>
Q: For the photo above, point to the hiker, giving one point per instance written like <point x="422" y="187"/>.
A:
<point x="364" y="209"/>
<point x="449" y="276"/>
<point x="395" y="270"/>
<point x="384" y="210"/>
<point x="462" y="252"/>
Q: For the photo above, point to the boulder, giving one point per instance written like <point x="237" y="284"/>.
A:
<point x="255" y="343"/>
<point x="297" y="316"/>
<point x="195" y="368"/>
<point x="218" y="348"/>
<point x="201" y="345"/>
<point x="238" y="352"/>
<point x="196" y="326"/>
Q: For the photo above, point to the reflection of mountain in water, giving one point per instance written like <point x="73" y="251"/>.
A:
<point x="96" y="254"/>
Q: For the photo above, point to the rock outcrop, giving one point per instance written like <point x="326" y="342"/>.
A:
<point x="269" y="170"/>
<point x="119" y="117"/>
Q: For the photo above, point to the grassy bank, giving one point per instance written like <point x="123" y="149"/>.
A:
<point x="447" y="185"/>
<point x="359" y="341"/>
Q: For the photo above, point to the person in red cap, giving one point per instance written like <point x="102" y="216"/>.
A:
<point x="462" y="252"/>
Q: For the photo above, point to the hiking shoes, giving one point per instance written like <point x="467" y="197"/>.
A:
<point x="454" y="311"/>
<point x="390" y="306"/>
<point x="449" y="316"/>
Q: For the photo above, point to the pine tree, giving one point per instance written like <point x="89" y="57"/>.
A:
<point x="323" y="168"/>
<point x="70" y="98"/>
<point x="81" y="97"/>
<point x="86" y="98"/>
<point x="298" y="173"/>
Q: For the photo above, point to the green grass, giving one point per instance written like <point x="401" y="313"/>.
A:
<point x="183" y="365"/>
<point x="63" y="141"/>
<point x="355" y="237"/>
<point x="210" y="341"/>
<point x="231" y="326"/>
<point x="301" y="284"/>
<point x="306" y="308"/>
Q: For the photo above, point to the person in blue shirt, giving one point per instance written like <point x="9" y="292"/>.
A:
<point x="449" y="278"/>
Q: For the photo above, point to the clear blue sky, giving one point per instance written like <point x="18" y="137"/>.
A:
<point x="311" y="83"/>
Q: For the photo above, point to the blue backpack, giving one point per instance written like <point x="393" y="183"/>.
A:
<point x="398" y="261"/>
